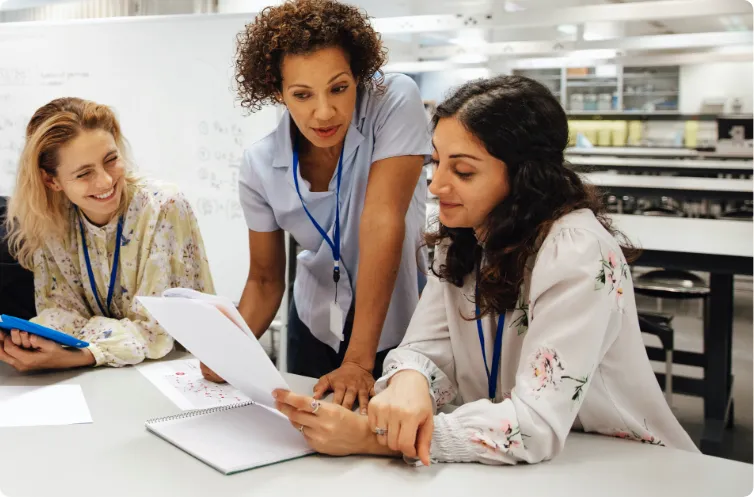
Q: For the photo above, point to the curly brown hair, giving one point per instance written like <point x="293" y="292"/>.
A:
<point x="519" y="122"/>
<point x="300" y="27"/>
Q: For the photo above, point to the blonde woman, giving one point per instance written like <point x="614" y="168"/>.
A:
<point x="95" y="237"/>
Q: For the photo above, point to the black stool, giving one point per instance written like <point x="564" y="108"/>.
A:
<point x="659" y="325"/>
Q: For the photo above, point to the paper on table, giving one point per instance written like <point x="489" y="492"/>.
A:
<point x="43" y="406"/>
<point x="181" y="381"/>
<point x="230" y="352"/>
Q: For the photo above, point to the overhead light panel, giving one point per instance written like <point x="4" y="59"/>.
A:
<point x="568" y="29"/>
<point x="469" y="38"/>
<point x="511" y="6"/>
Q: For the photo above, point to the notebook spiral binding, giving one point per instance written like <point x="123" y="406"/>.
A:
<point x="199" y="412"/>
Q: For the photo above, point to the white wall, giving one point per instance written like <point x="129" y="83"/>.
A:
<point x="437" y="85"/>
<point x="727" y="80"/>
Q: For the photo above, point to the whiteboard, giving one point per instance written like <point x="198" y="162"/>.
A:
<point x="169" y="80"/>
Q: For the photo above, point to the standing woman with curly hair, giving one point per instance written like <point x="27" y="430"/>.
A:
<point x="343" y="174"/>
<point x="528" y="322"/>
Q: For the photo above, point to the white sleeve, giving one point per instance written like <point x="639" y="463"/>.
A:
<point x="576" y="290"/>
<point x="426" y="347"/>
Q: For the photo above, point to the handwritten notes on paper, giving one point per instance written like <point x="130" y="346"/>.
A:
<point x="181" y="381"/>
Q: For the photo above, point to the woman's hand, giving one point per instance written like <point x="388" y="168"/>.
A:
<point x="27" y="353"/>
<point x="403" y="415"/>
<point x="209" y="374"/>
<point x="329" y="428"/>
<point x="349" y="382"/>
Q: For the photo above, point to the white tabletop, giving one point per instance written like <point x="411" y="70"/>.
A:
<point x="670" y="182"/>
<point x="675" y="234"/>
<point x="116" y="456"/>
<point x="745" y="166"/>
<point x="678" y="234"/>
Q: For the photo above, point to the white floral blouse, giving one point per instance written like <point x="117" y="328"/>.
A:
<point x="161" y="248"/>
<point x="572" y="356"/>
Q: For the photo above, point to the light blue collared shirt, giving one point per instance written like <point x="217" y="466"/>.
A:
<point x="384" y="125"/>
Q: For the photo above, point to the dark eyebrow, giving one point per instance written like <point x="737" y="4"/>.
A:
<point x="464" y="156"/>
<point x="336" y="77"/>
<point x="458" y="156"/>
<point x="331" y="80"/>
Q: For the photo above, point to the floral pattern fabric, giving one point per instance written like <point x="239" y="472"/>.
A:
<point x="573" y="355"/>
<point x="612" y="273"/>
<point x="161" y="248"/>
<point x="644" y="436"/>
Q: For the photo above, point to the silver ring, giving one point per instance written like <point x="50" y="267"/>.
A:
<point x="380" y="431"/>
<point x="315" y="406"/>
<point x="301" y="429"/>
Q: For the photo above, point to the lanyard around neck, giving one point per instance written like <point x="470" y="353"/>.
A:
<point x="113" y="272"/>
<point x="334" y="243"/>
<point x="494" y="372"/>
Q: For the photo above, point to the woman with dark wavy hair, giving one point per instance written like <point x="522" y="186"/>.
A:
<point x="528" y="322"/>
<point x="343" y="174"/>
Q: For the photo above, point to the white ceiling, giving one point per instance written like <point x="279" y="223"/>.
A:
<point x="738" y="21"/>
<point x="404" y="46"/>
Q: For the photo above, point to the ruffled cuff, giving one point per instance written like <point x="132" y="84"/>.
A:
<point x="99" y="356"/>
<point x="448" y="442"/>
<point x="441" y="388"/>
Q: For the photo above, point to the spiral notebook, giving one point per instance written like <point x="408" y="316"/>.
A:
<point x="236" y="437"/>
<point x="233" y="438"/>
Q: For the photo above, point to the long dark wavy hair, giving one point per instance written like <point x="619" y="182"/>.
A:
<point x="521" y="123"/>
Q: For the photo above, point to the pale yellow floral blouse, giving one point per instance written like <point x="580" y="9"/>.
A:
<point x="161" y="248"/>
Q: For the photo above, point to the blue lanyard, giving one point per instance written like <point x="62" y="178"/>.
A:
<point x="113" y="272"/>
<point x="335" y="242"/>
<point x="491" y="375"/>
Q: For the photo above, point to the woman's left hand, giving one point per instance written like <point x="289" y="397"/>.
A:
<point x="329" y="428"/>
<point x="34" y="353"/>
<point x="350" y="382"/>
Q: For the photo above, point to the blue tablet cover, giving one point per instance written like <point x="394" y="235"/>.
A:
<point x="9" y="323"/>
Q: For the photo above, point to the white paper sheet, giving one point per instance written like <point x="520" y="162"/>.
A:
<point x="181" y="381"/>
<point x="43" y="406"/>
<point x="213" y="338"/>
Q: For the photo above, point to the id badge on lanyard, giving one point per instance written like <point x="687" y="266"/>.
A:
<point x="336" y="313"/>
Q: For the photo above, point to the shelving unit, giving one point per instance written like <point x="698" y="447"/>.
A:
<point x="629" y="115"/>
<point x="651" y="88"/>
<point x="630" y="89"/>
<point x="589" y="90"/>
<point x="630" y="106"/>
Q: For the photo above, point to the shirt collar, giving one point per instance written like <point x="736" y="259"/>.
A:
<point x="90" y="227"/>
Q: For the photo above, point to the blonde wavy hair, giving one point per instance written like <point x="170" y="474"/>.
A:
<point x="36" y="212"/>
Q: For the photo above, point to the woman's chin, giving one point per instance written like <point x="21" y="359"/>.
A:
<point x="451" y="221"/>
